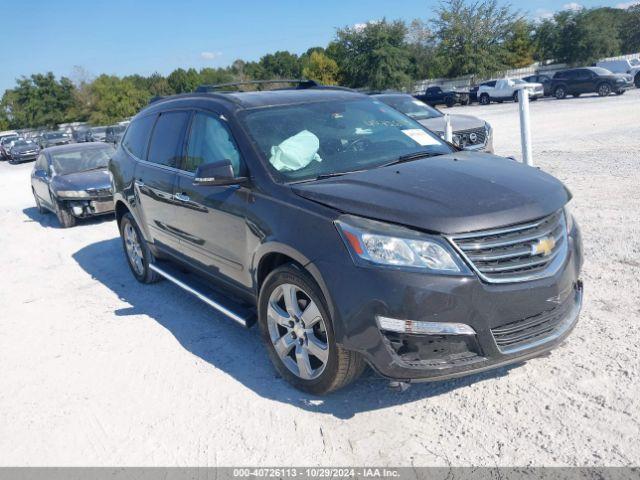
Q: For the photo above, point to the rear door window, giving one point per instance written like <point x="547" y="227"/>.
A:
<point x="137" y="137"/>
<point x="167" y="139"/>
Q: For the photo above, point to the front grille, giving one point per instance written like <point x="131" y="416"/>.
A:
<point x="474" y="136"/>
<point x="518" y="253"/>
<point x="524" y="332"/>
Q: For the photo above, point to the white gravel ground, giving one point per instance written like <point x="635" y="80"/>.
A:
<point x="96" y="369"/>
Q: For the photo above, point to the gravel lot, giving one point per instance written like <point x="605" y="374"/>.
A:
<point x="99" y="370"/>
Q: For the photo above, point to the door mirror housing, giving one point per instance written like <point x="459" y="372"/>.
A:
<point x="216" y="173"/>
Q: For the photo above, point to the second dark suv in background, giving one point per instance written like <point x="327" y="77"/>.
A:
<point x="579" y="81"/>
<point x="349" y="231"/>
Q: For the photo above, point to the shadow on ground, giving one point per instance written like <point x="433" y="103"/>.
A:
<point x="50" y="220"/>
<point x="237" y="351"/>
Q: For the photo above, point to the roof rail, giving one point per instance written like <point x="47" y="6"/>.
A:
<point x="301" y="84"/>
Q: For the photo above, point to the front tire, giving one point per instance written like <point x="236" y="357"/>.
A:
<point x="637" y="80"/>
<point x="39" y="206"/>
<point x="604" y="90"/>
<point x="298" y="333"/>
<point x="485" y="99"/>
<point x="65" y="217"/>
<point x="136" y="249"/>
<point x="560" y="93"/>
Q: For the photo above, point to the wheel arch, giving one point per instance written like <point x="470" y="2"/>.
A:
<point x="273" y="255"/>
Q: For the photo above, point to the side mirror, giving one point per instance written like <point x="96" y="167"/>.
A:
<point x="216" y="173"/>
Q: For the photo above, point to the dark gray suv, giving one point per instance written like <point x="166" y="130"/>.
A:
<point x="350" y="233"/>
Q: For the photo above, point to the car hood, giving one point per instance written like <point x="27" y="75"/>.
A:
<point x="456" y="193"/>
<point x="94" y="179"/>
<point x="458" y="122"/>
<point x="24" y="148"/>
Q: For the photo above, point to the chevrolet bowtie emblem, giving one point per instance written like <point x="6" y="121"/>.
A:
<point x="543" y="246"/>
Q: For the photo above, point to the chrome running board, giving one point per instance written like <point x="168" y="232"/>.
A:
<point x="231" y="309"/>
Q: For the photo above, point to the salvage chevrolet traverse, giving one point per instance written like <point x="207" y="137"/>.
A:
<point x="290" y="208"/>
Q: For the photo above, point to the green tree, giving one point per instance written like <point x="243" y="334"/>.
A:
<point x="183" y="81"/>
<point x="630" y="32"/>
<point x="281" y="64"/>
<point x="114" y="99"/>
<point x="374" y="55"/>
<point x="519" y="45"/>
<point x="472" y="36"/>
<point x="321" y="68"/>
<point x="39" y="101"/>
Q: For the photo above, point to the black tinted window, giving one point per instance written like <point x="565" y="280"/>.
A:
<point x="137" y="136"/>
<point x="167" y="137"/>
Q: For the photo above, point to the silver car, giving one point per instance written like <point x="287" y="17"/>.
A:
<point x="469" y="133"/>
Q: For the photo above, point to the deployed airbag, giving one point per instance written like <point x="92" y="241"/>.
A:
<point x="295" y="152"/>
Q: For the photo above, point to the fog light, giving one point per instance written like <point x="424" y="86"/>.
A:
<point x="77" y="210"/>
<point x="423" y="328"/>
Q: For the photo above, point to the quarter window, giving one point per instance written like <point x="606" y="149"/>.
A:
<point x="167" y="139"/>
<point x="137" y="136"/>
<point x="210" y="141"/>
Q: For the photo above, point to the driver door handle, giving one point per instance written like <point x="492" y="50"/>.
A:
<point x="182" y="197"/>
<point x="139" y="183"/>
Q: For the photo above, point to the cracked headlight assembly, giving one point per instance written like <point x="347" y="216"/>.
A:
<point x="377" y="243"/>
<point x="73" y="194"/>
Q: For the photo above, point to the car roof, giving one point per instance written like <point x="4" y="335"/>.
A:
<point x="234" y="101"/>
<point x="74" y="147"/>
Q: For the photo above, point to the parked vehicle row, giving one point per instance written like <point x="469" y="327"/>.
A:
<point x="571" y="82"/>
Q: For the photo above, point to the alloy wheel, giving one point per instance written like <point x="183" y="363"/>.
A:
<point x="297" y="331"/>
<point x="134" y="249"/>
<point x="604" y="90"/>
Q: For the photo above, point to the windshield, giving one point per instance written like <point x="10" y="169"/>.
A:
<point x="66" y="162"/>
<point x="54" y="135"/>
<point x="410" y="106"/>
<point x="99" y="129"/>
<point x="306" y="141"/>
<point x="601" y="71"/>
<point x="8" y="140"/>
<point x="517" y="81"/>
<point x="22" y="143"/>
<point x="634" y="62"/>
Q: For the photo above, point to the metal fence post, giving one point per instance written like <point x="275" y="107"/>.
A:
<point x="525" y="126"/>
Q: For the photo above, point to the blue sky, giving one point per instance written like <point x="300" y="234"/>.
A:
<point x="122" y="37"/>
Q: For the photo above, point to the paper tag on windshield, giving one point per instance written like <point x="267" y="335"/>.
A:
<point x="420" y="137"/>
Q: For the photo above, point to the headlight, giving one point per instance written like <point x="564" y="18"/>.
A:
<point x="73" y="194"/>
<point x="371" y="242"/>
<point x="568" y="217"/>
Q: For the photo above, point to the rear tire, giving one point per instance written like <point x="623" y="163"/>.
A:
<point x="515" y="97"/>
<point x="289" y="301"/>
<point x="137" y="251"/>
<point x="620" y="92"/>
<point x="637" y="80"/>
<point x="66" y="219"/>
<point x="449" y="102"/>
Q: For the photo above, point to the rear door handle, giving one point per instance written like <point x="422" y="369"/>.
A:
<point x="182" y="197"/>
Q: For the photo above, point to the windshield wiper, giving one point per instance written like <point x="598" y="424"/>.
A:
<point x="323" y="176"/>
<point x="410" y="157"/>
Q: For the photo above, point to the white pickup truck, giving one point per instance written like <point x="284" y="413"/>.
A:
<point x="507" y="89"/>
<point x="628" y="66"/>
